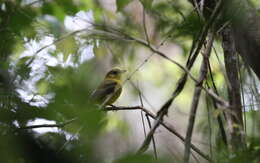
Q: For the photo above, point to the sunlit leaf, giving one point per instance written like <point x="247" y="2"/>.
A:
<point x="67" y="46"/>
<point x="42" y="86"/>
<point x="100" y="50"/>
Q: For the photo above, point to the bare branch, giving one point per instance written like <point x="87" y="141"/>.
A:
<point x="164" y="123"/>
<point x="153" y="140"/>
<point x="196" y="97"/>
<point x="164" y="109"/>
<point x="220" y="121"/>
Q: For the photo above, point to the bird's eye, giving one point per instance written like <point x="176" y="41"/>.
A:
<point x="114" y="72"/>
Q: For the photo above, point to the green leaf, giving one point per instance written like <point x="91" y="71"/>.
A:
<point x="60" y="8"/>
<point x="67" y="46"/>
<point x="42" y="86"/>
<point x="120" y="4"/>
<point x="19" y="20"/>
<point x="147" y="3"/>
<point x="22" y="68"/>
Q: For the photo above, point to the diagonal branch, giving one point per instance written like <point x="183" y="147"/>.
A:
<point x="164" y="123"/>
<point x="164" y="109"/>
<point x="196" y="97"/>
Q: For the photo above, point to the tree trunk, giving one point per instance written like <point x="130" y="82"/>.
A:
<point x="234" y="115"/>
<point x="245" y="24"/>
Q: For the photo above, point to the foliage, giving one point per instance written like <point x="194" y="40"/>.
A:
<point x="52" y="55"/>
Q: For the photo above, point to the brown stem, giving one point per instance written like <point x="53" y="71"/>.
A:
<point x="164" y="123"/>
<point x="164" y="109"/>
<point x="196" y="97"/>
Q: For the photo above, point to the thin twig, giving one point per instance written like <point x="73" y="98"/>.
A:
<point x="198" y="8"/>
<point x="144" y="26"/>
<point x="164" y="109"/>
<point x="242" y="94"/>
<point x="142" y="116"/>
<point x="142" y="95"/>
<point x="218" y="99"/>
<point x="220" y="122"/>
<point x="153" y="140"/>
<point x="149" y="124"/>
<point x="60" y="125"/>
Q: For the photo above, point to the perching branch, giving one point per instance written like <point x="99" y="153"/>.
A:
<point x="164" y="123"/>
<point x="120" y="35"/>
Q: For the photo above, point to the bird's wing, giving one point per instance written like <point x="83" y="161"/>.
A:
<point x="104" y="90"/>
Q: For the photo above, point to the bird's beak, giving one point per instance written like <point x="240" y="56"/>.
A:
<point x="123" y="71"/>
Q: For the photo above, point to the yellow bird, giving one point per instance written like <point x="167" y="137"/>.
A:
<point x="110" y="89"/>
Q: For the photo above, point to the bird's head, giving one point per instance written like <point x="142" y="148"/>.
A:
<point x="115" y="73"/>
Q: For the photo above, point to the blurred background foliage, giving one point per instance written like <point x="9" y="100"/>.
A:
<point x="53" y="56"/>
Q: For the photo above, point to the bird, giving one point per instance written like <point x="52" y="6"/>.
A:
<point x="110" y="89"/>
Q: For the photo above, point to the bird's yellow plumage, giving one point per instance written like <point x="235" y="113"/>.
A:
<point x="110" y="89"/>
